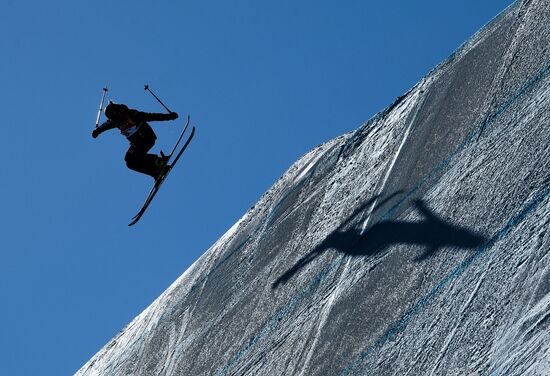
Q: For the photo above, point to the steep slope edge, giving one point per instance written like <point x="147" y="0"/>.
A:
<point x="417" y="244"/>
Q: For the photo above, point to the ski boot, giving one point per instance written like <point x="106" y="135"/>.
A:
<point x="162" y="166"/>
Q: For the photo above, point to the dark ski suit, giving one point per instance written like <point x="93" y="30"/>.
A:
<point x="133" y="125"/>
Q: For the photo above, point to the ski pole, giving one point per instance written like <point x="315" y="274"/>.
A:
<point x="146" y="87"/>
<point x="105" y="90"/>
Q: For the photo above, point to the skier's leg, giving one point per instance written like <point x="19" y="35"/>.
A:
<point x="138" y="160"/>
<point x="137" y="157"/>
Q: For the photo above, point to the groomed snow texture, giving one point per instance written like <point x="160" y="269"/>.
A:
<point x="416" y="245"/>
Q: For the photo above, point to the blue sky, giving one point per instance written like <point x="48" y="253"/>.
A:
<point x="264" y="83"/>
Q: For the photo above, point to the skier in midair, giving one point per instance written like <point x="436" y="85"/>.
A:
<point x="133" y="124"/>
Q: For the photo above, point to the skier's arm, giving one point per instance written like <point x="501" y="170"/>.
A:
<point x="103" y="127"/>
<point x="147" y="116"/>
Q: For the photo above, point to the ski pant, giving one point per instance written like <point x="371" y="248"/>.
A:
<point x="137" y="157"/>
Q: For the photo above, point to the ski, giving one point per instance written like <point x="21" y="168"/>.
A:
<point x="158" y="183"/>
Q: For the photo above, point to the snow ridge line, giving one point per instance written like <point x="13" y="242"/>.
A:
<point x="402" y="323"/>
<point x="487" y="122"/>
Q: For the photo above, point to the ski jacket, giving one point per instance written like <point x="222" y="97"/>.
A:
<point x="131" y="123"/>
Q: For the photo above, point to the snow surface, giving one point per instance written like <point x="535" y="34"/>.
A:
<point x="416" y="245"/>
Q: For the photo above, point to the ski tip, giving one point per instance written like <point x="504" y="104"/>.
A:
<point x="135" y="219"/>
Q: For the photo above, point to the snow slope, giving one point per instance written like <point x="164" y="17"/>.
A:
<point x="416" y="245"/>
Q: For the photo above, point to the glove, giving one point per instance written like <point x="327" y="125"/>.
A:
<point x="173" y="115"/>
<point x="95" y="133"/>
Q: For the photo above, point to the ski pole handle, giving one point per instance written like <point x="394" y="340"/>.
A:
<point x="105" y="90"/>
<point x="146" y="87"/>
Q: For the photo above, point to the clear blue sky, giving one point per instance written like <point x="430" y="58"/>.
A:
<point x="264" y="83"/>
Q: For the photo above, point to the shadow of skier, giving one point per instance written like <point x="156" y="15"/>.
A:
<point x="432" y="233"/>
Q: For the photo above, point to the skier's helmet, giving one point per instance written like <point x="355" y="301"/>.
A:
<point x="115" y="111"/>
